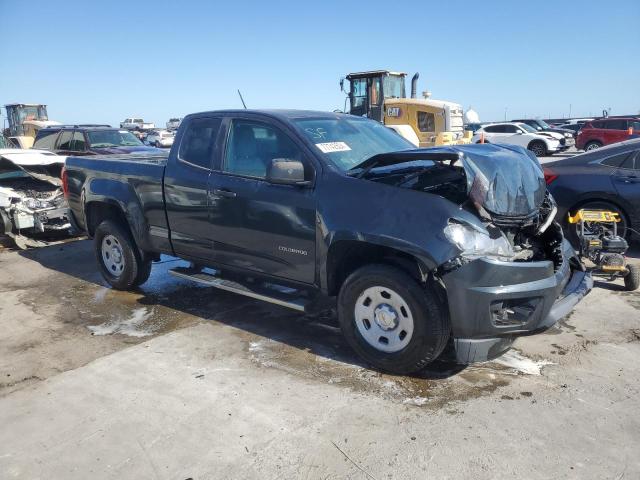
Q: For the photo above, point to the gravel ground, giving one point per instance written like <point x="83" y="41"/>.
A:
<point x="177" y="381"/>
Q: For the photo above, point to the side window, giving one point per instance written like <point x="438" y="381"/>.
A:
<point x="616" y="125"/>
<point x="599" y="124"/>
<point x="426" y="122"/>
<point x="77" y="143"/>
<point x="492" y="129"/>
<point x="198" y="142"/>
<point x="65" y="140"/>
<point x="46" y="139"/>
<point x="635" y="125"/>
<point x="510" y="129"/>
<point x="632" y="162"/>
<point x="617" y="160"/>
<point x="252" y="146"/>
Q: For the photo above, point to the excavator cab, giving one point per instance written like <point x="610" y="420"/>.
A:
<point x="24" y="121"/>
<point x="368" y="91"/>
<point x="19" y="113"/>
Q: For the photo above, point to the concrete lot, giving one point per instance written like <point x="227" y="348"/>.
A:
<point x="178" y="381"/>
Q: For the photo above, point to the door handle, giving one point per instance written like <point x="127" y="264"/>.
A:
<point x="220" y="192"/>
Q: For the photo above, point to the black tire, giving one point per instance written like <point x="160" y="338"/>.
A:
<point x="572" y="229"/>
<point x="632" y="280"/>
<point x="538" y="148"/>
<point x="592" y="146"/>
<point x="430" y="325"/>
<point x="135" y="267"/>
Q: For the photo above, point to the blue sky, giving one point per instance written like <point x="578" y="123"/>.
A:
<point x="101" y="61"/>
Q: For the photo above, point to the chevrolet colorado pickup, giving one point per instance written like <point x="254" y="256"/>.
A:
<point x="423" y="248"/>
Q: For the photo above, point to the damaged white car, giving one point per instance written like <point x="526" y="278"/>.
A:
<point x="33" y="210"/>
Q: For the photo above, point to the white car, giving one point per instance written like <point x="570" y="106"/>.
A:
<point x="160" y="138"/>
<point x="540" y="143"/>
<point x="133" y="123"/>
<point x="174" y="123"/>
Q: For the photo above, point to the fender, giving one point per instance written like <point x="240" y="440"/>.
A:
<point x="122" y="196"/>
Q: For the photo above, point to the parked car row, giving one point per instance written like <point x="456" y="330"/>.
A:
<point x="541" y="143"/>
<point x="585" y="134"/>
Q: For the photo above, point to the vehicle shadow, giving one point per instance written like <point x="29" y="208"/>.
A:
<point x="319" y="335"/>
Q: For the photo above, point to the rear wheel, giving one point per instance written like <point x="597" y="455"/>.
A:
<point x="632" y="280"/>
<point x="592" y="146"/>
<point x="538" y="148"/>
<point x="391" y="321"/>
<point x="121" y="263"/>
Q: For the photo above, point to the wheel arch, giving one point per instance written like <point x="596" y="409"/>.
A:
<point x="346" y="256"/>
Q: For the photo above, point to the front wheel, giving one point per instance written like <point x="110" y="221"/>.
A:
<point x="538" y="148"/>
<point x="121" y="263"/>
<point x="632" y="280"/>
<point x="390" y="320"/>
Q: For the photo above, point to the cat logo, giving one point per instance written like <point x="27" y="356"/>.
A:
<point x="393" y="112"/>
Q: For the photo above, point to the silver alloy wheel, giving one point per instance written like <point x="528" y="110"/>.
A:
<point x="592" y="146"/>
<point x="384" y="319"/>
<point x="112" y="255"/>
<point x="538" y="149"/>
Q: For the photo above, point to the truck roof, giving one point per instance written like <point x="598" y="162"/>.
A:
<point x="282" y="114"/>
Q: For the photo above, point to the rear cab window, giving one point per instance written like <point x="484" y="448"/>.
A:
<point x="198" y="142"/>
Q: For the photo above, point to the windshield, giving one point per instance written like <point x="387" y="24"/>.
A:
<point x="528" y="128"/>
<point x="112" y="138"/>
<point x="543" y="124"/>
<point x="393" y="86"/>
<point x="349" y="141"/>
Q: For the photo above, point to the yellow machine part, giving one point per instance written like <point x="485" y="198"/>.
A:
<point x="597" y="216"/>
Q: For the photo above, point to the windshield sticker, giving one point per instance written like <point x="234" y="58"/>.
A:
<point x="331" y="147"/>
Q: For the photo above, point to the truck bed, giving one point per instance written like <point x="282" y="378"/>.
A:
<point x="134" y="179"/>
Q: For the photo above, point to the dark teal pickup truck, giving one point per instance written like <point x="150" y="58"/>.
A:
<point x="422" y="249"/>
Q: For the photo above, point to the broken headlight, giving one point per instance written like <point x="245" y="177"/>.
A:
<point x="36" y="204"/>
<point x="475" y="242"/>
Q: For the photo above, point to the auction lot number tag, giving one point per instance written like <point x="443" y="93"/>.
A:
<point x="330" y="147"/>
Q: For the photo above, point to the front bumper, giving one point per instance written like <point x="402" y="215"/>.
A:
<point x="492" y="302"/>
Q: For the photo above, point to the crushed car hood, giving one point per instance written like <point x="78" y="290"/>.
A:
<point x="39" y="164"/>
<point x="504" y="179"/>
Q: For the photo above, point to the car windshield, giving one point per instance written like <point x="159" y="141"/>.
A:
<point x="349" y="141"/>
<point x="528" y="128"/>
<point x="112" y="138"/>
<point x="543" y="124"/>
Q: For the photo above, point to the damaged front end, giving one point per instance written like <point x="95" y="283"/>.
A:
<point x="33" y="211"/>
<point x="514" y="273"/>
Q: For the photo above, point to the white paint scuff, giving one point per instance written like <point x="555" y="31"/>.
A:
<point x="517" y="361"/>
<point x="131" y="326"/>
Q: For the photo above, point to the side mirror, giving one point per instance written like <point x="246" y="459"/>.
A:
<point x="285" y="171"/>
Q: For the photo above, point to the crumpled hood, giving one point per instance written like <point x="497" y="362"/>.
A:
<point x="39" y="164"/>
<point x="506" y="180"/>
<point x="120" y="150"/>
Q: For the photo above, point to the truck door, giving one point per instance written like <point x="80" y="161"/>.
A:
<point x="257" y="225"/>
<point x="185" y="187"/>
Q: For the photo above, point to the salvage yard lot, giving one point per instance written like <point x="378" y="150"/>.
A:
<point x="179" y="381"/>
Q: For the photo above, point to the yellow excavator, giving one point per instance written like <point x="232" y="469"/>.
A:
<point x="25" y="119"/>
<point x="380" y="95"/>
